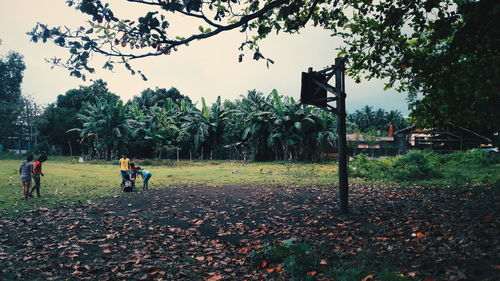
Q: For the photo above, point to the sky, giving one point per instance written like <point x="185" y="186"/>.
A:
<point x="207" y="68"/>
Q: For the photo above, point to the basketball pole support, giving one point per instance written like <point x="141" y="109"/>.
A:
<point x="342" y="139"/>
<point x="338" y="71"/>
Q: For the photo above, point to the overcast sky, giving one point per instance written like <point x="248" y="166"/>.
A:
<point x="207" y="68"/>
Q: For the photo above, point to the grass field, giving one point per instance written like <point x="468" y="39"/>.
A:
<point x="66" y="181"/>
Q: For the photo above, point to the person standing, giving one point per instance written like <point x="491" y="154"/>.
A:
<point x="25" y="173"/>
<point x="37" y="174"/>
<point x="124" y="167"/>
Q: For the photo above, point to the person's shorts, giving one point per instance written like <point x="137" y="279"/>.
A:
<point x="146" y="179"/>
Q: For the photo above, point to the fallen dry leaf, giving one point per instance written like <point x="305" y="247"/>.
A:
<point x="367" y="277"/>
<point x="215" y="277"/>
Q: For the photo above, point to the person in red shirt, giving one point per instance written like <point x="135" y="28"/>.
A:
<point x="36" y="170"/>
<point x="133" y="172"/>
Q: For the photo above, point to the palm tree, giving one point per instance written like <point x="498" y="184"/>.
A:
<point x="107" y="127"/>
<point x="326" y="135"/>
<point x="161" y="129"/>
<point x="287" y="123"/>
<point x="194" y="129"/>
<point x="215" y="116"/>
<point x="146" y="100"/>
<point x="397" y="119"/>
<point x="254" y="111"/>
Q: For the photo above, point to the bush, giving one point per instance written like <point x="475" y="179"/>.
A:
<point x="364" y="168"/>
<point x="416" y="165"/>
<point x="471" y="157"/>
<point x="458" y="168"/>
<point x="11" y="156"/>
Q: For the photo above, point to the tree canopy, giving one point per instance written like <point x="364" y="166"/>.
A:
<point x="376" y="32"/>
<point x="61" y="116"/>
<point x="11" y="75"/>
<point x="429" y="48"/>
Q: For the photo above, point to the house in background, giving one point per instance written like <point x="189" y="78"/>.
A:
<point x="443" y="139"/>
<point x="371" y="145"/>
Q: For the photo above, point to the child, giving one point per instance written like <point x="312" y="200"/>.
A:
<point x="25" y="173"/>
<point x="36" y="170"/>
<point x="133" y="172"/>
<point x="146" y="175"/>
<point x="127" y="185"/>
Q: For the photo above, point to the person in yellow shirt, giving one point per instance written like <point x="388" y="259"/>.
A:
<point x="124" y="166"/>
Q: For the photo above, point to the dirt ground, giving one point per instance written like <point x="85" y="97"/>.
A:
<point x="206" y="233"/>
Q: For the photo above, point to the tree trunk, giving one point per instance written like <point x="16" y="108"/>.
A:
<point x="70" y="149"/>
<point x="190" y="155"/>
<point x="177" y="155"/>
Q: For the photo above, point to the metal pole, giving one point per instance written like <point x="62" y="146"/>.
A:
<point x="342" y="142"/>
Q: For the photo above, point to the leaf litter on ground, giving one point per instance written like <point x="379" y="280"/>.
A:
<point x="200" y="233"/>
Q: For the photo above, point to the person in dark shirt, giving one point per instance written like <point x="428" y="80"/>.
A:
<point x="36" y="169"/>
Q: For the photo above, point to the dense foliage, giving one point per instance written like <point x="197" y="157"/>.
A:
<point x="254" y="127"/>
<point x="456" y="168"/>
<point x="162" y="123"/>
<point x="61" y="116"/>
<point x="11" y="101"/>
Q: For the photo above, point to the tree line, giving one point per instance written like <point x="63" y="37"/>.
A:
<point x="161" y="123"/>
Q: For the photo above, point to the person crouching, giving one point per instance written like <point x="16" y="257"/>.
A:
<point x="146" y="175"/>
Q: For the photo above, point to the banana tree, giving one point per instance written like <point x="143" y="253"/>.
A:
<point x="161" y="129"/>
<point x="255" y="113"/>
<point x="108" y="127"/>
<point x="286" y="126"/>
<point x="194" y="129"/>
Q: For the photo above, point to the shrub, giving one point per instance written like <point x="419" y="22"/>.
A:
<point x="458" y="168"/>
<point x="475" y="157"/>
<point x="416" y="165"/>
<point x="364" y="168"/>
